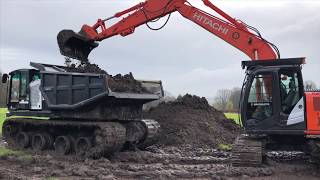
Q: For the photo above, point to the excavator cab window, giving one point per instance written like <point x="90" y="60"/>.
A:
<point x="289" y="92"/>
<point x="259" y="105"/>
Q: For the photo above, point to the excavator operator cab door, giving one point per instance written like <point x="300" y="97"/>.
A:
<point x="273" y="101"/>
<point x="19" y="91"/>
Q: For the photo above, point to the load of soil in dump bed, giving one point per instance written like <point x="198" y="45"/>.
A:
<point x="117" y="83"/>
<point x="190" y="120"/>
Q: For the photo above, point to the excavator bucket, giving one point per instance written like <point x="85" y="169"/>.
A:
<point x="75" y="45"/>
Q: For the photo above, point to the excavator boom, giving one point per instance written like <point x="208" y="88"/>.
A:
<point x="79" y="45"/>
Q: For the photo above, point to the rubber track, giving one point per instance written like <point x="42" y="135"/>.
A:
<point x="315" y="151"/>
<point x="109" y="137"/>
<point x="153" y="128"/>
<point x="247" y="151"/>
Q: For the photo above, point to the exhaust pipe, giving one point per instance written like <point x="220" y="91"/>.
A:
<point x="75" y="45"/>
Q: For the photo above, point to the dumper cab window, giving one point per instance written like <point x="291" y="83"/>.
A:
<point x="15" y="88"/>
<point x="23" y="86"/>
<point x="19" y="87"/>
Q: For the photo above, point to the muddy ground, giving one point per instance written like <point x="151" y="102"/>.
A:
<point x="185" y="162"/>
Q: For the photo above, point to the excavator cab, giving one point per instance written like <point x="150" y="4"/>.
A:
<point x="273" y="99"/>
<point x="75" y="45"/>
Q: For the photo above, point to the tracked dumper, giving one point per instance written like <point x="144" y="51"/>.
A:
<point x="78" y="113"/>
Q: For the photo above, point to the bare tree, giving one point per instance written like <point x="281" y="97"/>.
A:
<point x="222" y="98"/>
<point x="310" y="85"/>
<point x="235" y="98"/>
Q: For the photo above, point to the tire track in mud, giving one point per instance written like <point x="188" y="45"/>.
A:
<point x="167" y="163"/>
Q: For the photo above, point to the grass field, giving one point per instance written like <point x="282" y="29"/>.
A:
<point x="234" y="116"/>
<point x="4" y="152"/>
<point x="2" y="117"/>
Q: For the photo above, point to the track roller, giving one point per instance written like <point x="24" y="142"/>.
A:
<point x="82" y="145"/>
<point x="62" y="145"/>
<point x="39" y="142"/>
<point x="49" y="140"/>
<point x="7" y="130"/>
<point x="8" y="134"/>
<point x="23" y="140"/>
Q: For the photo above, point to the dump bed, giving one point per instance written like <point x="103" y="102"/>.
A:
<point x="98" y="96"/>
<point x="64" y="90"/>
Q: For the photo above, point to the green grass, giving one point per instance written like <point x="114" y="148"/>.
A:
<point x="2" y="117"/>
<point x="234" y="117"/>
<point x="52" y="178"/>
<point x="5" y="152"/>
<point x="225" y="147"/>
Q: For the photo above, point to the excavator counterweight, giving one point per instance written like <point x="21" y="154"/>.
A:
<point x="75" y="45"/>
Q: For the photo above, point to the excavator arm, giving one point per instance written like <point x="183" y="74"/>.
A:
<point x="234" y="32"/>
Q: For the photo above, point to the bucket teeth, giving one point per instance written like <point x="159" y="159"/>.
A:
<point x="75" y="45"/>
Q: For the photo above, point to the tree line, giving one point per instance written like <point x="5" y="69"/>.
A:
<point x="227" y="100"/>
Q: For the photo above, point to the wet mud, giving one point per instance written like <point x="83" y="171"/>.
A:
<point x="185" y="162"/>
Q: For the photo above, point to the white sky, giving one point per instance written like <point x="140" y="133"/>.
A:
<point x="184" y="56"/>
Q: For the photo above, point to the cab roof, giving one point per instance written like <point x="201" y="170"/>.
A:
<point x="273" y="62"/>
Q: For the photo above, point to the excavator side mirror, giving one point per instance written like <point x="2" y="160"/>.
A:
<point x="5" y="78"/>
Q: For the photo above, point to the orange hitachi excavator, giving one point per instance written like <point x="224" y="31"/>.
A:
<point x="276" y="111"/>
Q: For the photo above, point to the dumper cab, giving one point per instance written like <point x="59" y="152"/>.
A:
<point x="20" y="89"/>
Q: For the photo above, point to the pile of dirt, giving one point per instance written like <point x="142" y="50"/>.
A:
<point x="117" y="83"/>
<point x="191" y="120"/>
<point x="125" y="83"/>
<point x="84" y="67"/>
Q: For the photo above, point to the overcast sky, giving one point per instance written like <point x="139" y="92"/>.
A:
<point x="187" y="58"/>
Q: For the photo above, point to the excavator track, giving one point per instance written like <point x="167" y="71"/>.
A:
<point x="314" y="147"/>
<point x="247" y="151"/>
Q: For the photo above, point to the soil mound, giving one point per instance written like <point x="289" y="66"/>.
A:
<point x="191" y="120"/>
<point x="125" y="83"/>
<point x="117" y="83"/>
<point x="85" y="67"/>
